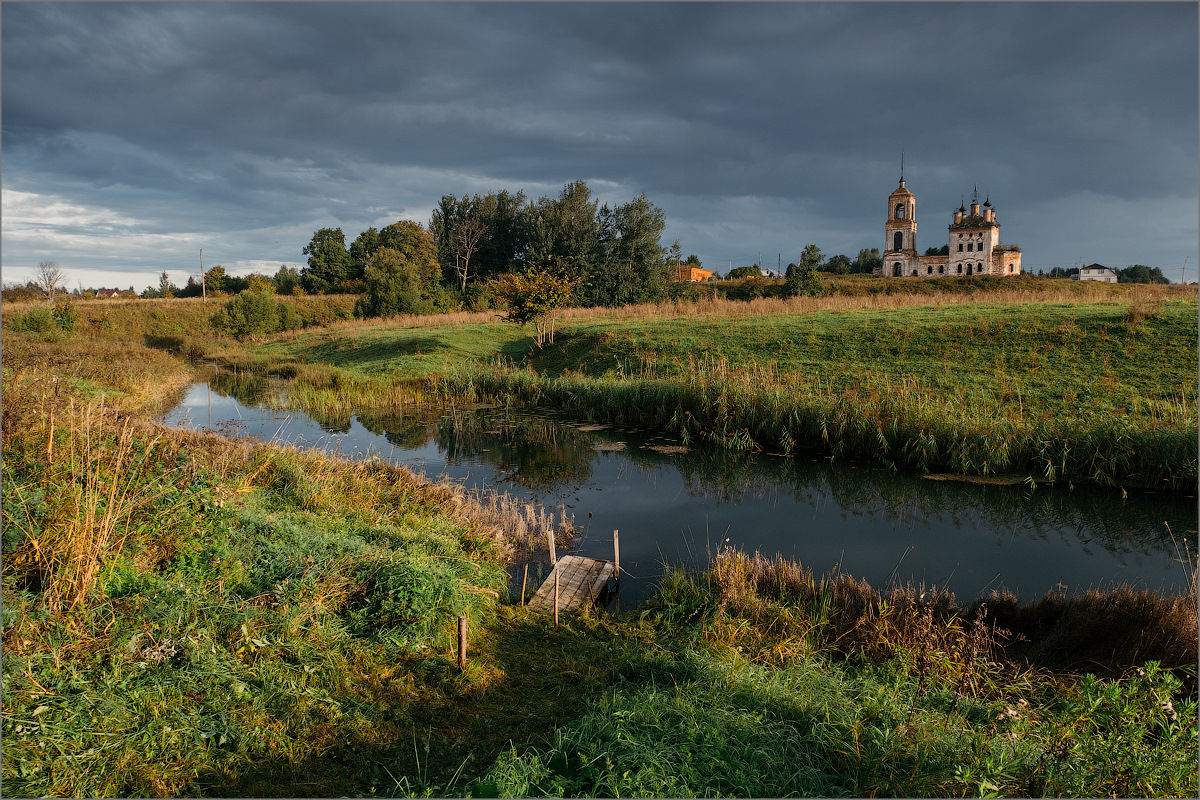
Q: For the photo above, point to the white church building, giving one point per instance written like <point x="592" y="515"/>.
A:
<point x="975" y="247"/>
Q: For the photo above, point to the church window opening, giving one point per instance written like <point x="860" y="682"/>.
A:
<point x="969" y="246"/>
<point x="899" y="211"/>
<point x="896" y="269"/>
<point x="960" y="247"/>
<point x="968" y="269"/>
<point x="960" y="269"/>
<point x="914" y="273"/>
<point x="898" y="241"/>
<point x="941" y="269"/>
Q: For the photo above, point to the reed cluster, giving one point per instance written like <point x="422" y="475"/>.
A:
<point x="896" y="423"/>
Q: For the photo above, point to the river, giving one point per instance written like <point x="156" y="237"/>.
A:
<point x="676" y="507"/>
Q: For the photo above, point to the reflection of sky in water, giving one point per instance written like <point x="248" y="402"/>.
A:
<point x="867" y="522"/>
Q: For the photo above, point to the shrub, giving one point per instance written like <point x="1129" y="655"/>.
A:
<point x="39" y="320"/>
<point x="64" y="315"/>
<point x="253" y="313"/>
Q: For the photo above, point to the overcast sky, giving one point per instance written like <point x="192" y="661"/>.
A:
<point x="135" y="135"/>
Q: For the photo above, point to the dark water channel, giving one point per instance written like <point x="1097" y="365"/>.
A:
<point x="678" y="508"/>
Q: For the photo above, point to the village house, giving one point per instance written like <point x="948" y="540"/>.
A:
<point x="975" y="247"/>
<point x="1096" y="272"/>
<point x="685" y="272"/>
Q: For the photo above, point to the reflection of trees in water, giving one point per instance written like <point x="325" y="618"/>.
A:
<point x="1120" y="525"/>
<point x="541" y="453"/>
<point x="261" y="391"/>
<point x="249" y="389"/>
<point x="412" y="431"/>
<point x="531" y="451"/>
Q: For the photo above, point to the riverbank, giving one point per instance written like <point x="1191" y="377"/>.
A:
<point x="1102" y="392"/>
<point x="186" y="614"/>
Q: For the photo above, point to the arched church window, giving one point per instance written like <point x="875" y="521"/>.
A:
<point x="960" y="269"/>
<point x="899" y="211"/>
<point x="929" y="270"/>
<point x="898" y="241"/>
<point x="896" y="269"/>
<point x="941" y="269"/>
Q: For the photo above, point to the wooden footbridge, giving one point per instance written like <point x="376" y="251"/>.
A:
<point x="576" y="581"/>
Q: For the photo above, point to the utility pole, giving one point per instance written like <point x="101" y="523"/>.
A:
<point x="1183" y="271"/>
<point x="203" y="292"/>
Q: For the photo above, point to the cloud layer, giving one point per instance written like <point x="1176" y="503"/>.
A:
<point x="136" y="134"/>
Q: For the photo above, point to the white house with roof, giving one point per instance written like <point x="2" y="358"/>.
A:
<point x="1096" y="272"/>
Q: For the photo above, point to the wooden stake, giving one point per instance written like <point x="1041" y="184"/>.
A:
<point x="616" y="556"/>
<point x="462" y="642"/>
<point x="556" y="598"/>
<point x="524" y="578"/>
<point x="550" y="536"/>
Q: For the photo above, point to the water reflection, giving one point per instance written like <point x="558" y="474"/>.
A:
<point x="679" y="507"/>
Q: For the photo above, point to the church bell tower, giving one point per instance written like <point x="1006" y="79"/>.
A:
<point x="900" y="251"/>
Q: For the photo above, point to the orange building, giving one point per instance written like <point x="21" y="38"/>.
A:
<point x="686" y="273"/>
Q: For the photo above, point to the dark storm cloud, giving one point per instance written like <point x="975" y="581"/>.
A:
<point x="755" y="126"/>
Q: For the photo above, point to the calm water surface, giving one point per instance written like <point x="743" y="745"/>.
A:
<point x="678" y="508"/>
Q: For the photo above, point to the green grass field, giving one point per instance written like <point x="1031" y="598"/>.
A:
<point x="189" y="615"/>
<point x="1100" y="391"/>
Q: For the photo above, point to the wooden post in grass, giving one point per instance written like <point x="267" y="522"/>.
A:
<point x="524" y="578"/>
<point x="462" y="642"/>
<point x="617" y="568"/>
<point x="616" y="557"/>
<point x="556" y="598"/>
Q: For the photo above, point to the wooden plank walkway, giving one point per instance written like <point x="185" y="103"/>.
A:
<point x="580" y="580"/>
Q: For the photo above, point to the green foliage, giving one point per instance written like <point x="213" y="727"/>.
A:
<point x="867" y="262"/>
<point x="286" y="280"/>
<point x="839" y="264"/>
<point x="64" y="315"/>
<point x="1140" y="273"/>
<point x="944" y="250"/>
<point x="395" y="285"/>
<point x="803" y="279"/>
<point x="743" y="272"/>
<point x="534" y="296"/>
<point x="165" y="289"/>
<point x="329" y="263"/>
<point x="253" y="314"/>
<point x="37" y="320"/>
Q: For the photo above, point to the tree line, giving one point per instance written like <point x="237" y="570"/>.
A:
<point x="610" y="255"/>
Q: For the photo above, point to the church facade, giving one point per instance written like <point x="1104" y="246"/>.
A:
<point x="974" y="246"/>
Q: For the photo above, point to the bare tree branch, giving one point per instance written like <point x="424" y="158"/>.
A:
<point x="49" y="276"/>
<point x="464" y="241"/>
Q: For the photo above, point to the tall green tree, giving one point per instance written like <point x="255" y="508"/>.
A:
<point x="867" y="262"/>
<point x="839" y="264"/>
<point x="396" y="284"/>
<point x="803" y="278"/>
<point x="633" y="266"/>
<point x="329" y="263"/>
<point x="287" y="279"/>
<point x="565" y="230"/>
<point x="500" y="247"/>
